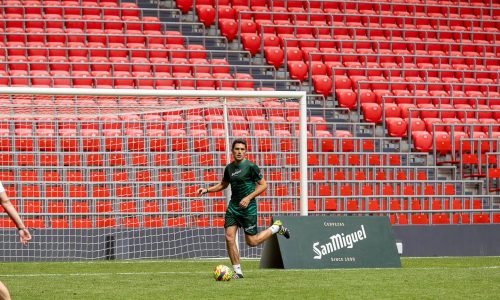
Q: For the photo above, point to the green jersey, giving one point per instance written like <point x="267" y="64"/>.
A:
<point x="242" y="177"/>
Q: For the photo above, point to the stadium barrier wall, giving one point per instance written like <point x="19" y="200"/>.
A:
<point x="449" y="240"/>
<point x="92" y="244"/>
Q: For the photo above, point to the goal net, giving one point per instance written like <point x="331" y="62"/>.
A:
<point x="113" y="174"/>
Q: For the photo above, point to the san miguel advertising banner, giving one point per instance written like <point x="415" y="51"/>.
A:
<point x="319" y="242"/>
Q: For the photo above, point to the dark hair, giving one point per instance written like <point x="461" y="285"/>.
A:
<point x="239" y="141"/>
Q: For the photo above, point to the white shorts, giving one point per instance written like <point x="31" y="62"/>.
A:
<point x="2" y="189"/>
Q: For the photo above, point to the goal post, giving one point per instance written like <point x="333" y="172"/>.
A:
<point x="106" y="173"/>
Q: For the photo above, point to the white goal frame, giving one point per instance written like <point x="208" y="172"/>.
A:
<point x="301" y="95"/>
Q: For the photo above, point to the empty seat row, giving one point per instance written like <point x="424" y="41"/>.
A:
<point x="91" y="128"/>
<point x="129" y="113"/>
<point x="411" y="79"/>
<point x="470" y="104"/>
<point x="57" y="37"/>
<point x="444" y="142"/>
<point x="148" y="206"/>
<point x="478" y="128"/>
<point x="95" y="21"/>
<point x="110" y="222"/>
<point x="368" y="58"/>
<point x="174" y="192"/>
<point x="358" y="32"/>
<point x="484" y="126"/>
<point x="188" y="189"/>
<point x="117" y="54"/>
<point x="358" y="89"/>
<point x="470" y="100"/>
<point x="350" y="99"/>
<point x="125" y="80"/>
<point x="142" y="174"/>
<point x="371" y="63"/>
<point x="231" y="28"/>
<point x="202" y="222"/>
<point x="176" y="158"/>
<point x="393" y="204"/>
<point x="371" y="19"/>
<point x="62" y="66"/>
<point x="127" y="221"/>
<point x="371" y="173"/>
<point x="387" y="188"/>
<point x="152" y="174"/>
<point x="70" y="8"/>
<point x="457" y="113"/>
<point x="362" y="43"/>
<point x="126" y="201"/>
<point x="472" y="153"/>
<point x="435" y="219"/>
<point x="180" y="158"/>
<point x="137" y="173"/>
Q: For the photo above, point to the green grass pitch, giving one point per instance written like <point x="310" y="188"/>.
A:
<point x="419" y="278"/>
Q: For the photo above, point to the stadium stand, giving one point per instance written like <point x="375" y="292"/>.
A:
<point x="405" y="87"/>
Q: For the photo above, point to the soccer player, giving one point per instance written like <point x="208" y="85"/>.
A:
<point x="24" y="234"/>
<point x="246" y="183"/>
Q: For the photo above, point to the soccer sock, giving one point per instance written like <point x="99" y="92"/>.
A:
<point x="237" y="269"/>
<point x="274" y="229"/>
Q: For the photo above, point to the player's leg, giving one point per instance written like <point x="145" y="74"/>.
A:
<point x="252" y="236"/>
<point x="278" y="227"/>
<point x="4" y="292"/>
<point x="231" y="229"/>
<point x="254" y="239"/>
<point x="232" y="250"/>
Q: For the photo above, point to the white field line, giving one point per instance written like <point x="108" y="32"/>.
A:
<point x="198" y="260"/>
<point x="253" y="271"/>
<point x="96" y="274"/>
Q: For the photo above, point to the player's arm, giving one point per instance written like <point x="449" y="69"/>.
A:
<point x="260" y="187"/>
<point x="24" y="234"/>
<point x="223" y="184"/>
<point x="4" y="292"/>
<point x="212" y="189"/>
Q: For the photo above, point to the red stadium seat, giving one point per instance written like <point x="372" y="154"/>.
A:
<point x="274" y="56"/>
<point x="322" y="85"/>
<point x="346" y="98"/>
<point x="206" y="14"/>
<point x="480" y="218"/>
<point x="440" y="219"/>
<point x="420" y="219"/>
<point x="396" y="127"/>
<point x="298" y="70"/>
<point x="442" y="142"/>
<point x="228" y="28"/>
<point x="251" y="42"/>
<point x="372" y="112"/>
<point x="422" y="141"/>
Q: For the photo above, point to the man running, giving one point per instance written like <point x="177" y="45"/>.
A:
<point x="246" y="182"/>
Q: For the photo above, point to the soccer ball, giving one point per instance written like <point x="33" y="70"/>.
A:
<point x="222" y="273"/>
